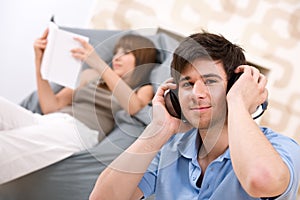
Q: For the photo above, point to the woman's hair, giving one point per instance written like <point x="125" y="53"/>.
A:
<point x="145" y="54"/>
<point x="207" y="46"/>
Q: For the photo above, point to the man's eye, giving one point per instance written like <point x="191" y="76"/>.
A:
<point x="186" y="84"/>
<point x="210" y="81"/>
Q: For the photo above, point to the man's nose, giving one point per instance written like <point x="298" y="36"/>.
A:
<point x="200" y="89"/>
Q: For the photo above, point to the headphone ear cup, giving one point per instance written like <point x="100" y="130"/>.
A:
<point x="172" y="104"/>
<point x="263" y="106"/>
<point x="232" y="80"/>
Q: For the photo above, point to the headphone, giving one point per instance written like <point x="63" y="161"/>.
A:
<point x="173" y="105"/>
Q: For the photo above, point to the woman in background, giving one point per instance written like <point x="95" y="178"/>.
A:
<point x="74" y="120"/>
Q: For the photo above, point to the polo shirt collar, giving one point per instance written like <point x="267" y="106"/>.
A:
<point x="189" y="144"/>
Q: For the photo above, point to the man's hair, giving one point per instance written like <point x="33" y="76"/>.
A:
<point x="207" y="46"/>
<point x="145" y="54"/>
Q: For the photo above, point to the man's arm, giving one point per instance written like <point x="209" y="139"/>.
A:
<point x="121" y="178"/>
<point x="258" y="166"/>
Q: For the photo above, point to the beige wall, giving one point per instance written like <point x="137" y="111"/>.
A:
<point x="269" y="31"/>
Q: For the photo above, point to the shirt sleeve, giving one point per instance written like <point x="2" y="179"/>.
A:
<point x="289" y="151"/>
<point x="148" y="183"/>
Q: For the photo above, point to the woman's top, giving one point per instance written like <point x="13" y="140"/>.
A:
<point x="95" y="107"/>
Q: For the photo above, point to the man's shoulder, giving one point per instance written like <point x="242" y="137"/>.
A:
<point x="285" y="145"/>
<point x="273" y="135"/>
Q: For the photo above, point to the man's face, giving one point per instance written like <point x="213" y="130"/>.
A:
<point x="202" y="93"/>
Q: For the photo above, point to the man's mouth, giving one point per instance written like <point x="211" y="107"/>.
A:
<point x="201" y="108"/>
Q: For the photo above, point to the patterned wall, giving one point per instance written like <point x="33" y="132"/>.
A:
<point x="269" y="31"/>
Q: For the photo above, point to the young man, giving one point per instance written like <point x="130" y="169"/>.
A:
<point x="226" y="155"/>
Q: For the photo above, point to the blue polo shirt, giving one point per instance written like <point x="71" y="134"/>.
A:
<point x="174" y="172"/>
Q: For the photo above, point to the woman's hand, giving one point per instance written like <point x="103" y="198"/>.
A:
<point x="249" y="90"/>
<point x="39" y="46"/>
<point x="88" y="55"/>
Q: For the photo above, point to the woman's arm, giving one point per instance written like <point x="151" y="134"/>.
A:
<point x="87" y="76"/>
<point x="49" y="101"/>
<point x="258" y="166"/>
<point x="130" y="100"/>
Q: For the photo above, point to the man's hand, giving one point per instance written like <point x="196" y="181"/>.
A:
<point x="161" y="117"/>
<point x="250" y="89"/>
